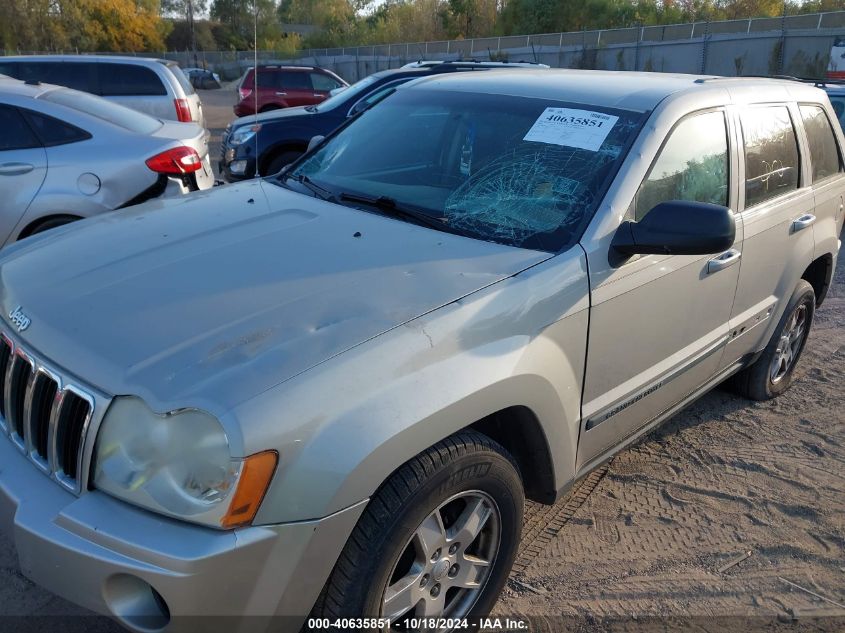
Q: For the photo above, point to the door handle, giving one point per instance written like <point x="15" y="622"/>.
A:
<point x="317" y="94"/>
<point x="281" y="94"/>
<point x="15" y="169"/>
<point x="799" y="224"/>
<point x="725" y="260"/>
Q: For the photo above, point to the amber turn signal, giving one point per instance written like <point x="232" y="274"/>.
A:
<point x="256" y="474"/>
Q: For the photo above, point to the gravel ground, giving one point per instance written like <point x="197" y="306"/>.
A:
<point x="733" y="513"/>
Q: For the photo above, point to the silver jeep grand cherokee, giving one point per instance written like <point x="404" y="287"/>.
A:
<point x="329" y="392"/>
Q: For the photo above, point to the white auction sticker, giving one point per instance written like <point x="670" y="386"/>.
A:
<point x="573" y="128"/>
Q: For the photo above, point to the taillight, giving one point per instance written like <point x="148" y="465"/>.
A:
<point x="176" y="161"/>
<point x="244" y="92"/>
<point x="183" y="110"/>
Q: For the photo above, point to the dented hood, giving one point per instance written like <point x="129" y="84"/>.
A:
<point x="211" y="299"/>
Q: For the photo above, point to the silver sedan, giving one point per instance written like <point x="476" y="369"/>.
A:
<point x="67" y="155"/>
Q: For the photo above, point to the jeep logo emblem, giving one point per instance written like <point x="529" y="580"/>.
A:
<point x="18" y="318"/>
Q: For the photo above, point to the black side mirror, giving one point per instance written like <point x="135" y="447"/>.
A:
<point x="678" y="227"/>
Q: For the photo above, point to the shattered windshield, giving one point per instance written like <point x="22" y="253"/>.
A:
<point x="513" y="170"/>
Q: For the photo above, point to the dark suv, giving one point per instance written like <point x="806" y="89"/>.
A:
<point x="284" y="87"/>
<point x="284" y="136"/>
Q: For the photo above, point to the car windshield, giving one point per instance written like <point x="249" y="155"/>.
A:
<point x="114" y="113"/>
<point x="514" y="170"/>
<point x="359" y="87"/>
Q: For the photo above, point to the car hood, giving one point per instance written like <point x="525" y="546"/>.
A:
<point x="272" y="115"/>
<point x="211" y="299"/>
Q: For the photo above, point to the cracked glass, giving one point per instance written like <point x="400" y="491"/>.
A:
<point x="463" y="159"/>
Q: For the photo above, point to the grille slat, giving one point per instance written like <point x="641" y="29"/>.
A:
<point x="43" y="416"/>
<point x="5" y="357"/>
<point x="19" y="381"/>
<point x="44" y="392"/>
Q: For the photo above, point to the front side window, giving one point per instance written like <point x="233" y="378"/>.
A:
<point x="16" y="133"/>
<point x="323" y="82"/>
<point x="824" y="154"/>
<point x="519" y="171"/>
<point x="692" y="165"/>
<point x="772" y="166"/>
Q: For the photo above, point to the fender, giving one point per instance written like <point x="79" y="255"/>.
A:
<point x="344" y="426"/>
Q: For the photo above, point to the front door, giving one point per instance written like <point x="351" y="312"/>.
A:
<point x="659" y="323"/>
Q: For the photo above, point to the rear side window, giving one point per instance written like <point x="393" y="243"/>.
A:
<point x="182" y="78"/>
<point x="294" y="80"/>
<point x="16" y="133"/>
<point x="125" y="80"/>
<point x="838" y="104"/>
<point x="824" y="154"/>
<point x="692" y="166"/>
<point x="772" y="165"/>
<point x="52" y="131"/>
<point x="76" y="75"/>
<point x="323" y="82"/>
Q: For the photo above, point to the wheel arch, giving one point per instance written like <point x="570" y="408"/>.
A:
<point x="272" y="152"/>
<point x="33" y="225"/>
<point x="820" y="274"/>
<point x="519" y="432"/>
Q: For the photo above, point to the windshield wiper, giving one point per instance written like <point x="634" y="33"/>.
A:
<point x="313" y="187"/>
<point x="390" y="206"/>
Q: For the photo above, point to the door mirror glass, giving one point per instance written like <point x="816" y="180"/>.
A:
<point x="678" y="227"/>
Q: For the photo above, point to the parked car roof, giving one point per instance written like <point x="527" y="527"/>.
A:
<point x="88" y="58"/>
<point x="639" y="91"/>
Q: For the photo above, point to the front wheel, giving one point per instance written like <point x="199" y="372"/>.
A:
<point x="437" y="540"/>
<point x="773" y="372"/>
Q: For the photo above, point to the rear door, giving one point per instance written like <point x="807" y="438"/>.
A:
<point x="826" y="176"/>
<point x="297" y="88"/>
<point x="23" y="167"/>
<point x="777" y="216"/>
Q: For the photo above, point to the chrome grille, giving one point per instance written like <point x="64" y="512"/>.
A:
<point x="44" y="415"/>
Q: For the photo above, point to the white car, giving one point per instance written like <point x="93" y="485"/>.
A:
<point x="67" y="155"/>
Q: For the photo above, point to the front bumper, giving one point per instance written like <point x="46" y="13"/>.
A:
<point x="155" y="574"/>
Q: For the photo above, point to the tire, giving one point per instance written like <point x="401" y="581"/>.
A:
<point x="280" y="160"/>
<point x="51" y="223"/>
<point x="269" y="108"/>
<point x="763" y="380"/>
<point x="463" y="477"/>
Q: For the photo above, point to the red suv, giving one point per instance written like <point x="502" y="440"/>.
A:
<point x="285" y="86"/>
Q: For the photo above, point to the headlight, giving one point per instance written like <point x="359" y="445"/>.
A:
<point x="242" y="134"/>
<point x="178" y="464"/>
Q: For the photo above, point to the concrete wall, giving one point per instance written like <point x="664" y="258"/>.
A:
<point x="801" y="53"/>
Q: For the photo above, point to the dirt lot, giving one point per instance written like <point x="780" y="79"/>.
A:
<point x="664" y="531"/>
